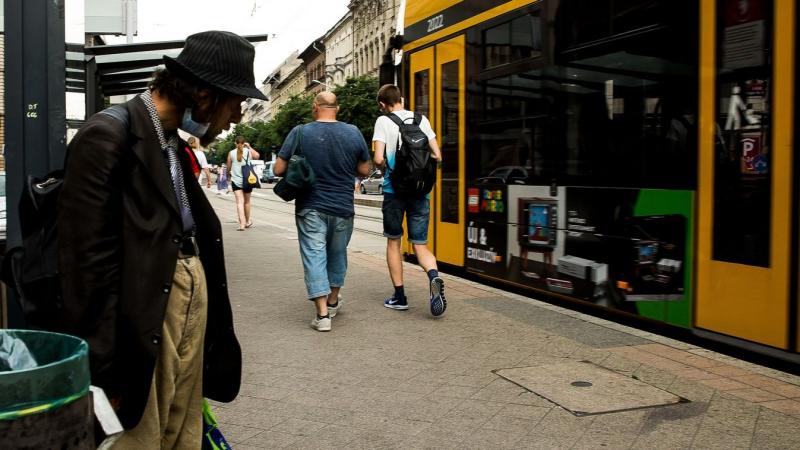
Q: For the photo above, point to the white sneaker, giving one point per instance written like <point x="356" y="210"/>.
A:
<point x="333" y="310"/>
<point x="321" y="324"/>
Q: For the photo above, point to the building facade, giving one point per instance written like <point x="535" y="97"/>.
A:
<point x="339" y="51"/>
<point x="277" y="85"/>
<point x="374" y="23"/>
<point x="314" y="63"/>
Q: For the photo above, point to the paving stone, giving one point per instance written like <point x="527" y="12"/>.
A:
<point x="547" y="442"/>
<point x="271" y="439"/>
<point x="775" y="430"/>
<point x="377" y="381"/>
<point x="723" y="384"/>
<point x="298" y="427"/>
<point x="784" y="406"/>
<point x="755" y="395"/>
<point x="493" y="439"/>
<point x="594" y="439"/>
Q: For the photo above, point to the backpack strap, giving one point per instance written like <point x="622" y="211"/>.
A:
<point x="120" y="113"/>
<point x="393" y="117"/>
<point x="417" y="119"/>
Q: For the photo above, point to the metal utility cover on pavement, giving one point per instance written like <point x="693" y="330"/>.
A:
<point x="585" y="388"/>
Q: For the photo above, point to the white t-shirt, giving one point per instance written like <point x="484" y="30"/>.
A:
<point x="201" y="159"/>
<point x="388" y="132"/>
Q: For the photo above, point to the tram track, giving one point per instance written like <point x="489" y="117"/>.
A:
<point x="282" y="209"/>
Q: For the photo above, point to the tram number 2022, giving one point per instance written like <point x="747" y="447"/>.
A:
<point x="435" y="23"/>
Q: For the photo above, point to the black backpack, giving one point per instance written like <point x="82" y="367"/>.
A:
<point x="32" y="268"/>
<point x="414" y="171"/>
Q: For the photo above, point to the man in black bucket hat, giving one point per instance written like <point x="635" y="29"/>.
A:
<point x="140" y="247"/>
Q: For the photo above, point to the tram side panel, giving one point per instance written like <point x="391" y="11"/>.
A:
<point x="625" y="249"/>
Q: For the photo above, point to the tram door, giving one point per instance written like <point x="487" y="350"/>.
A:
<point x="745" y="176"/>
<point x="437" y="90"/>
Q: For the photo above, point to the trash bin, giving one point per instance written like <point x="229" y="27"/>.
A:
<point x="44" y="391"/>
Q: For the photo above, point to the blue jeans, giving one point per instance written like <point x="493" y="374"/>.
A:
<point x="323" y="248"/>
<point x="418" y="213"/>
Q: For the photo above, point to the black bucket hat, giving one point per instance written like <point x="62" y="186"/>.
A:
<point x="222" y="59"/>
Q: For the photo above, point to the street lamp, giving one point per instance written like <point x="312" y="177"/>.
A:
<point x="327" y="88"/>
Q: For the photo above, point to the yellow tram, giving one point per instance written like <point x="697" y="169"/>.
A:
<point x="638" y="155"/>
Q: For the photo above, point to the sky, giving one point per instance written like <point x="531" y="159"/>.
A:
<point x="290" y="24"/>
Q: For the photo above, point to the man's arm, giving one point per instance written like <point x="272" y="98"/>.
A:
<point x="437" y="153"/>
<point x="363" y="168"/>
<point x="282" y="161"/>
<point x="90" y="237"/>
<point x="380" y="152"/>
<point x="279" y="168"/>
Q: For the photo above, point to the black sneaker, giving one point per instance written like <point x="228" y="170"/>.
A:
<point x="438" y="302"/>
<point x="395" y="303"/>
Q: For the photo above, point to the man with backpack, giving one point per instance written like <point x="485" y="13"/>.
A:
<point x="140" y="247"/>
<point x="406" y="143"/>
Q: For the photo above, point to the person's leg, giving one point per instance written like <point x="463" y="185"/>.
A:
<point x="393" y="210"/>
<point x="418" y="219"/>
<point x="184" y="423"/>
<point x="240" y="208"/>
<point x="248" y="222"/>
<point x="340" y="230"/>
<point x="174" y="406"/>
<point x="311" y="234"/>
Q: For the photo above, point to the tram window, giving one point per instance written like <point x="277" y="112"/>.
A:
<point x="742" y="162"/>
<point x="616" y="105"/>
<point x="579" y="126"/>
<point x="512" y="41"/>
<point x="450" y="141"/>
<point x="421" y="92"/>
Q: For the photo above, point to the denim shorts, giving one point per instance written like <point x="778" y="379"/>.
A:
<point x="418" y="213"/>
<point x="323" y="248"/>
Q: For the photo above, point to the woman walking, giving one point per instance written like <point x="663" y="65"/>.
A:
<point x="237" y="158"/>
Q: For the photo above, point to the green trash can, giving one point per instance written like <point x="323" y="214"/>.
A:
<point x="44" y="391"/>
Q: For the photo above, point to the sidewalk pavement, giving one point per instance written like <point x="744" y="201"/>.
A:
<point x="390" y="379"/>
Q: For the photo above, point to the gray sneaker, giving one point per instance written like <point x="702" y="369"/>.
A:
<point x="438" y="302"/>
<point x="321" y="323"/>
<point x="333" y="310"/>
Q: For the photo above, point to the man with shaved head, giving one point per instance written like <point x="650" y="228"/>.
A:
<point x="337" y="153"/>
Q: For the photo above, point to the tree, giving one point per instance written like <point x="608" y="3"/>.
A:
<point x="357" y="104"/>
<point x="296" y="111"/>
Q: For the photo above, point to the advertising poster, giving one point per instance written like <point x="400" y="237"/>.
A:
<point x="487" y="206"/>
<point x="640" y="257"/>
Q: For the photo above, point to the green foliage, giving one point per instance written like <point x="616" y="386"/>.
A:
<point x="357" y="104"/>
<point x="296" y="111"/>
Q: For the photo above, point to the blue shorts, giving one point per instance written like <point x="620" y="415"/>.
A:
<point x="323" y="248"/>
<point x="418" y="212"/>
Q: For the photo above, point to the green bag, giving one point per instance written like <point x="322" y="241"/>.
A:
<point x="212" y="437"/>
<point x="299" y="177"/>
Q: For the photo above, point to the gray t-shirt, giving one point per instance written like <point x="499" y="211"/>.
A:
<point x="333" y="150"/>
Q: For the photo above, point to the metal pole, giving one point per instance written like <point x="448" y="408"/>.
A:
<point x="35" y="79"/>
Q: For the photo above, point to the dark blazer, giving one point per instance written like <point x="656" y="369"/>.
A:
<point x="119" y="229"/>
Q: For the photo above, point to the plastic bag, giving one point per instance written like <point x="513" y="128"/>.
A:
<point x="14" y="354"/>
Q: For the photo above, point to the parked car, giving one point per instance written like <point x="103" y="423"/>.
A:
<point x="373" y="184"/>
<point x="505" y="175"/>
<point x="268" y="176"/>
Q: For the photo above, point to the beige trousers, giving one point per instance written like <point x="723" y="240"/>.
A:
<point x="173" y="417"/>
